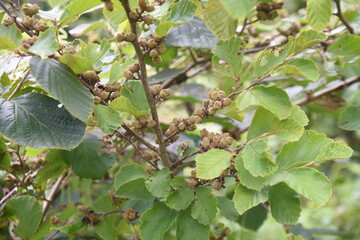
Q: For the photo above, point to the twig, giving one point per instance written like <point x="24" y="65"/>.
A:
<point x="109" y="212"/>
<point x="18" y="24"/>
<point x="19" y="85"/>
<point x="8" y="196"/>
<point x="342" y="18"/>
<point x="141" y="139"/>
<point x="138" y="150"/>
<point x="143" y="78"/>
<point x="178" y="161"/>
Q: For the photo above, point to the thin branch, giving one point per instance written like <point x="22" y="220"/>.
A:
<point x="178" y="161"/>
<point x="8" y="196"/>
<point x="19" y="85"/>
<point x="18" y="24"/>
<point x="138" y="150"/>
<point x="143" y="78"/>
<point x="342" y="18"/>
<point x="139" y="138"/>
<point x="109" y="212"/>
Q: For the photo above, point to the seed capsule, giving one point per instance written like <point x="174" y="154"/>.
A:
<point x="157" y="60"/>
<point x="217" y="105"/>
<point x="128" y="75"/>
<point x="131" y="37"/>
<point x="226" y="101"/>
<point x="153" y="53"/>
<point x="142" y="4"/>
<point x="150" y="8"/>
<point x="109" y="5"/>
<point x="148" y="19"/>
<point x="120" y="37"/>
<point x="152" y="43"/>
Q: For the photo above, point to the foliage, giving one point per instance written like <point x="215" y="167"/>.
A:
<point x="178" y="119"/>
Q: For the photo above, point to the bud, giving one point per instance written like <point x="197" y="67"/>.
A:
<point x="134" y="15"/>
<point x="131" y="37"/>
<point x="148" y="19"/>
<point x="28" y="21"/>
<point x="205" y="142"/>
<point x="184" y="146"/>
<point x="157" y="60"/>
<point x="197" y="119"/>
<point x="203" y="132"/>
<point x="104" y="95"/>
<point x="226" y="101"/>
<point x="143" y="120"/>
<point x="109" y="5"/>
<point x="8" y="22"/>
<point x="91" y="75"/>
<point x="217" y="105"/>
<point x="41" y="26"/>
<point x="153" y="53"/>
<point x="192" y="182"/>
<point x="161" y="49"/>
<point x="212" y="111"/>
<point x="120" y="37"/>
<point x="152" y="43"/>
<point x="97" y="100"/>
<point x="182" y="126"/>
<point x="143" y="42"/>
<point x="150" y="8"/>
<point x="150" y="124"/>
<point x="217" y="185"/>
<point x="142" y="4"/>
<point x="128" y="75"/>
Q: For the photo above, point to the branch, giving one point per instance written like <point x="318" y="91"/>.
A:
<point x="8" y="196"/>
<point x="178" y="161"/>
<point x="138" y="150"/>
<point x="109" y="212"/>
<point x="19" y="85"/>
<point x="140" y="139"/>
<point x="18" y="24"/>
<point x="342" y="18"/>
<point x="143" y="78"/>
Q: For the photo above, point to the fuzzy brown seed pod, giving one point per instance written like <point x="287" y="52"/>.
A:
<point x="214" y="95"/>
<point x="221" y="94"/>
<point x="182" y="126"/>
<point x="28" y="21"/>
<point x="153" y="53"/>
<point x="29" y="9"/>
<point x="191" y="127"/>
<point x="229" y="140"/>
<point x="273" y="15"/>
<point x="143" y="43"/>
<point x="191" y="119"/>
<point x="35" y="9"/>
<point x="134" y="15"/>
<point x="157" y="60"/>
<point x="263" y="6"/>
<point x="8" y="21"/>
<point x="173" y="127"/>
<point x="26" y="45"/>
<point x="148" y="19"/>
<point x="211" y="135"/>
<point x="150" y="124"/>
<point x="161" y="49"/>
<point x="217" y="105"/>
<point x="193" y="173"/>
<point x="226" y="101"/>
<point x="142" y="4"/>
<point x="150" y="8"/>
<point x="198" y="111"/>
<point x="97" y="99"/>
<point x="203" y="132"/>
<point x="130" y="37"/>
<point x="128" y="75"/>
<point x="148" y="168"/>
<point x="109" y="6"/>
<point x="197" y="119"/>
<point x="152" y="43"/>
<point x="116" y="86"/>
<point x="192" y="182"/>
<point x="163" y="93"/>
<point x="175" y="138"/>
<point x="41" y="26"/>
<point x="277" y="5"/>
<point x="212" y="111"/>
<point x="143" y="120"/>
<point x="223" y="142"/>
<point x="232" y="167"/>
<point x="205" y="142"/>
<point x="55" y="220"/>
<point x="104" y="95"/>
<point x="184" y="146"/>
<point x="168" y="132"/>
<point x="82" y="208"/>
<point x="120" y="37"/>
<point x="217" y="185"/>
<point x="115" y="94"/>
<point x="136" y="124"/>
<point x="262" y="16"/>
<point x="92" y="76"/>
<point x="177" y="120"/>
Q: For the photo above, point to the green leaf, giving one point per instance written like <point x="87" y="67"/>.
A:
<point x="334" y="150"/>
<point x="350" y="118"/>
<point x="303" y="151"/>
<point x="299" y="115"/>
<point x="53" y="168"/>
<point x="287" y="129"/>
<point x="209" y="165"/>
<point x="303" y="66"/>
<point x="134" y="91"/>
<point x="182" y="11"/>
<point x="10" y="37"/>
<point x="272" y="98"/>
<point x="253" y="218"/>
<point x="90" y="159"/>
<point x="306" y="39"/>
<point x="310" y="183"/>
<point x="108" y="119"/>
<point x="227" y="208"/>
<point x="228" y="51"/>
<point x="94" y="52"/>
<point x="4" y="157"/>
<point x="117" y="15"/>
<point x="28" y="210"/>
<point x="347" y="46"/>
<point x="257" y="160"/>
<point x="187" y="228"/>
<point x="159" y="184"/>
<point x="75" y="8"/>
<point x="76" y="63"/>
<point x="36" y="121"/>
<point x="261" y="123"/>
<point x="244" y="198"/>
<point x="164" y="27"/>
<point x="232" y="111"/>
<point x="46" y="44"/>
<point x="106" y="228"/>
<point x="246" y="178"/>
<point x="284" y="204"/>
<point x="205" y="208"/>
<point x="232" y="7"/>
<point x="156" y="221"/>
<point x="62" y="83"/>
<point x="180" y="199"/>
<point x="218" y="21"/>
<point x="123" y="104"/>
<point x="178" y="182"/>
<point x="195" y="34"/>
<point x="318" y="13"/>
<point x="117" y="70"/>
<point x="130" y="183"/>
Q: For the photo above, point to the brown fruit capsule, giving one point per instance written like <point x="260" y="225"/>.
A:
<point x="217" y="105"/>
<point x="214" y="95"/>
<point x="223" y="142"/>
<point x="131" y="37"/>
<point x="104" y="95"/>
<point x="150" y="124"/>
<point x="262" y="16"/>
<point x="26" y="9"/>
<point x="161" y="49"/>
<point x="54" y="220"/>
<point x="149" y="168"/>
<point x="91" y="75"/>
<point x="273" y="14"/>
<point x="134" y="15"/>
<point x="41" y="26"/>
<point x="217" y="185"/>
<point x="192" y="182"/>
<point x="226" y="101"/>
<point x="97" y="100"/>
<point x="175" y="138"/>
<point x="232" y="167"/>
<point x="28" y="21"/>
<point x="116" y="86"/>
<point x="148" y="19"/>
<point x="152" y="43"/>
<point x="115" y="94"/>
<point x="203" y="132"/>
<point x="173" y="128"/>
<point x="198" y="111"/>
<point x="137" y="124"/>
<point x="182" y="126"/>
<point x="143" y="42"/>
<point x="193" y="173"/>
<point x="8" y="21"/>
<point x="26" y="45"/>
<point x="277" y="5"/>
<point x="153" y="53"/>
<point x="120" y="37"/>
<point x="150" y="8"/>
<point x="163" y="94"/>
<point x="128" y="75"/>
<point x="157" y="60"/>
<point x="142" y="4"/>
<point x="143" y="120"/>
<point x="197" y="119"/>
<point x="263" y="6"/>
<point x="191" y="127"/>
<point x="109" y="5"/>
<point x="34" y="9"/>
<point x="184" y="146"/>
<point x="205" y="142"/>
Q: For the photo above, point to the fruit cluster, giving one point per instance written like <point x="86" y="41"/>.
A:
<point x="215" y="140"/>
<point x="268" y="10"/>
<point x="217" y="100"/>
<point x="154" y="47"/>
<point x="27" y="43"/>
<point x="178" y="125"/>
<point x="130" y="214"/>
<point x="292" y="31"/>
<point x="133" y="71"/>
<point x="139" y="125"/>
<point x="106" y="92"/>
<point x="159" y="94"/>
<point x="30" y="22"/>
<point x="152" y="156"/>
